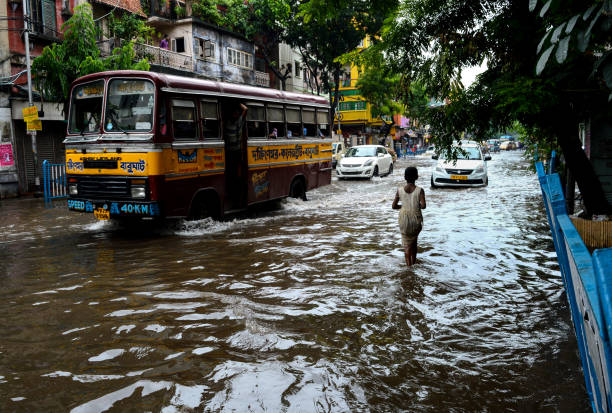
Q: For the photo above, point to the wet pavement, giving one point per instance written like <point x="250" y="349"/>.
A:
<point x="305" y="308"/>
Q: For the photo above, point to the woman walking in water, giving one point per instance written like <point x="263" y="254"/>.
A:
<point x="412" y="199"/>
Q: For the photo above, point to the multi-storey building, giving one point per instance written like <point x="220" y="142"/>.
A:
<point x="18" y="171"/>
<point x="195" y="48"/>
<point x="354" y="115"/>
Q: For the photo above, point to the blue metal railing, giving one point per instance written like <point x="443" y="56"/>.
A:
<point x="54" y="182"/>
<point x="588" y="284"/>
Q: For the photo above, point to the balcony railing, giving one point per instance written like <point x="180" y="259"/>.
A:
<point x="262" y="79"/>
<point x="163" y="57"/>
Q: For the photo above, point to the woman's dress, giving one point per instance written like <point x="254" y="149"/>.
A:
<point x="410" y="218"/>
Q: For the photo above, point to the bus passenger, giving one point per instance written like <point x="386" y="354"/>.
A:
<point x="233" y="129"/>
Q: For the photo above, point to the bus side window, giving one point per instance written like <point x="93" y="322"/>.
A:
<point x="184" y="120"/>
<point x="294" y="123"/>
<point x="276" y="121"/>
<point x="210" y="119"/>
<point x="308" y="117"/>
<point x="322" y="123"/>
<point x="163" y="121"/>
<point x="256" y="121"/>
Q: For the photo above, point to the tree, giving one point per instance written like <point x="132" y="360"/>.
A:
<point x="129" y="27"/>
<point x="323" y="31"/>
<point x="380" y="88"/>
<point x="432" y="41"/>
<point x="78" y="55"/>
<point x="267" y="28"/>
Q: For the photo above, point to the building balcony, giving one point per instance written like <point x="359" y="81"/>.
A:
<point x="262" y="79"/>
<point x="155" y="55"/>
<point x="164" y="57"/>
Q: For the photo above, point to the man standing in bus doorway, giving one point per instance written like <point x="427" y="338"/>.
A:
<point x="234" y="114"/>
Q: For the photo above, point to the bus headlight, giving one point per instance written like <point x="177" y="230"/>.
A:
<point x="72" y="189"/>
<point x="138" y="191"/>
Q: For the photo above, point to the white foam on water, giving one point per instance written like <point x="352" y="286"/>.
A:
<point x="74" y="330"/>
<point x="185" y="397"/>
<point x="107" y="401"/>
<point x="173" y="356"/>
<point x="92" y="378"/>
<point x="107" y="355"/>
<point x="202" y="350"/>
<point x="157" y="328"/>
<point x="127" y="328"/>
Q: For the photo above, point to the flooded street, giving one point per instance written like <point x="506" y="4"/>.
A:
<point x="306" y="308"/>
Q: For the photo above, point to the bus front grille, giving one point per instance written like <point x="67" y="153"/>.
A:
<point x="104" y="187"/>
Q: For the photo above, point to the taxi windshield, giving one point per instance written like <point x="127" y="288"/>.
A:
<point x="86" y="108"/>
<point x="129" y="106"/>
<point x="466" y="152"/>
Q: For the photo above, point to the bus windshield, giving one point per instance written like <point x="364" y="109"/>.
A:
<point x="86" y="108"/>
<point x="129" y="106"/>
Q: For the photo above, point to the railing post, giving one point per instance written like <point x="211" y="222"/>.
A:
<point x="46" y="181"/>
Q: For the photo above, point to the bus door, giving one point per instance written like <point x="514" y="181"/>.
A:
<point x="234" y="136"/>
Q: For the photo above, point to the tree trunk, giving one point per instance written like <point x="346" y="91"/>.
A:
<point x="577" y="162"/>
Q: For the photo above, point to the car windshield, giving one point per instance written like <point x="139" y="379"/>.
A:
<point x="361" y="151"/>
<point x="129" y="107"/>
<point x="471" y="153"/>
<point x="86" y="108"/>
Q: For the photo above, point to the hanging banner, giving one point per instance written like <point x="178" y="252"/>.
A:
<point x="30" y="114"/>
<point x="6" y="154"/>
<point x="34" y="125"/>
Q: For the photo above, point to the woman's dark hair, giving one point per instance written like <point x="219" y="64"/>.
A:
<point x="411" y="174"/>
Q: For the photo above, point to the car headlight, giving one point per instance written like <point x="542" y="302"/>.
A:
<point x="73" y="190"/>
<point x="438" y="169"/>
<point x="479" y="170"/>
<point x="138" y="191"/>
<point x="368" y="163"/>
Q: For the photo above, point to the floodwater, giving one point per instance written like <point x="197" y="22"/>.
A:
<point x="304" y="308"/>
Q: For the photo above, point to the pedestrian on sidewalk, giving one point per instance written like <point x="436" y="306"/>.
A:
<point x="412" y="199"/>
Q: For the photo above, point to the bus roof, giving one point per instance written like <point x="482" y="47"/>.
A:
<point x="189" y="85"/>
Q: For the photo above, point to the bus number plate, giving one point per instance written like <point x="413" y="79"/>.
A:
<point x="102" y="214"/>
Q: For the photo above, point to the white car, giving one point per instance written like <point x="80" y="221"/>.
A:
<point x="338" y="151"/>
<point x="365" y="161"/>
<point x="470" y="169"/>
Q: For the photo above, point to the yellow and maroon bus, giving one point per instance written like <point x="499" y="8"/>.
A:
<point x="149" y="145"/>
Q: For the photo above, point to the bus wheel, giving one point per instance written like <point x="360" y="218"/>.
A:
<point x="204" y="206"/>
<point x="298" y="189"/>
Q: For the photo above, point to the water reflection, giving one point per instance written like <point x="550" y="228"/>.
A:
<point x="304" y="308"/>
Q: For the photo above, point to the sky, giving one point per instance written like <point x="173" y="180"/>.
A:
<point x="468" y="74"/>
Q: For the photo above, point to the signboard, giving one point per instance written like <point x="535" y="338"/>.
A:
<point x="34" y="125"/>
<point x="30" y="113"/>
<point x="6" y="154"/>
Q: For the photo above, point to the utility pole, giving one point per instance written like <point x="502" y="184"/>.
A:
<point x="26" y="38"/>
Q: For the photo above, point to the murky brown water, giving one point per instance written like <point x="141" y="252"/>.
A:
<point x="304" y="309"/>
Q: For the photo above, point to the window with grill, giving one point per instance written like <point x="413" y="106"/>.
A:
<point x="239" y="58"/>
<point x="256" y="121"/>
<point x="206" y="49"/>
<point x="210" y="119"/>
<point x="350" y="106"/>
<point x="308" y="118"/>
<point x="323" y="122"/>
<point x="184" y="120"/>
<point x="294" y="122"/>
<point x="276" y="123"/>
<point x="43" y="17"/>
